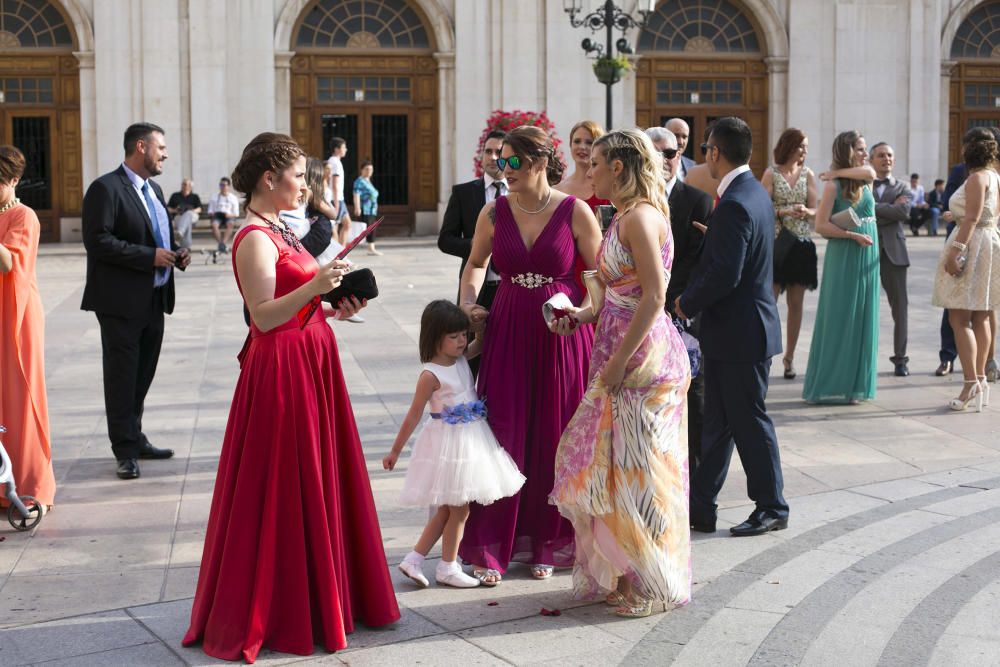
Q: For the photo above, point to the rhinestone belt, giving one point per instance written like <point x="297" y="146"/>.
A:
<point x="531" y="280"/>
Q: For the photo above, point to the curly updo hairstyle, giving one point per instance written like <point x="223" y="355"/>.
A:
<point x="268" y="151"/>
<point x="981" y="152"/>
<point x="532" y="144"/>
<point x="11" y="164"/>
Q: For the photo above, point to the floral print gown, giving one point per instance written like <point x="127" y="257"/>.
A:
<point x="622" y="464"/>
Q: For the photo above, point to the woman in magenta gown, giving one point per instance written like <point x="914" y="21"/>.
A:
<point x="293" y="554"/>
<point x="531" y="378"/>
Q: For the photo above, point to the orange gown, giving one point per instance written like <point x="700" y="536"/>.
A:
<point x="23" y="405"/>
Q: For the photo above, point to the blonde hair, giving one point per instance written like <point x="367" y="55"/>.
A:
<point x="641" y="179"/>
<point x="596" y="131"/>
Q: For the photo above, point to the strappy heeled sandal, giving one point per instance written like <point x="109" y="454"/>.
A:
<point x="615" y="599"/>
<point x="789" y="368"/>
<point x="542" y="571"/>
<point x="976" y="394"/>
<point x="984" y="388"/>
<point x="487" y="576"/>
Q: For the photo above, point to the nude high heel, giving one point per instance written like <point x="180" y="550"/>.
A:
<point x="958" y="405"/>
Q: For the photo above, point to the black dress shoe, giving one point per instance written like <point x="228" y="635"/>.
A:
<point x="901" y="370"/>
<point x="703" y="527"/>
<point x="128" y="469"/>
<point x="758" y="525"/>
<point x="150" y="452"/>
<point x="944" y="369"/>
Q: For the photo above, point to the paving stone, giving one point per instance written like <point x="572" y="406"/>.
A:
<point x="730" y="637"/>
<point x="977" y="617"/>
<point x="954" y="650"/>
<point x="147" y="655"/>
<point x="439" y="651"/>
<point x="69" y="637"/>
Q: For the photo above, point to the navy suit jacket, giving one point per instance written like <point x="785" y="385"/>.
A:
<point x="732" y="284"/>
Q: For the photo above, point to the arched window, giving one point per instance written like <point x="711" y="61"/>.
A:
<point x="979" y="34"/>
<point x="361" y="24"/>
<point x="33" y="24"/>
<point x="699" y="27"/>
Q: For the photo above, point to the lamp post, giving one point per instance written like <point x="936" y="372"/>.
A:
<point x="611" y="18"/>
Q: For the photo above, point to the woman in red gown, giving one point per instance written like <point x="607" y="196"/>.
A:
<point x="581" y="139"/>
<point x="293" y="552"/>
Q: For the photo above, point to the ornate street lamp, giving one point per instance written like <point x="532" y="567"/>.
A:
<point x="607" y="66"/>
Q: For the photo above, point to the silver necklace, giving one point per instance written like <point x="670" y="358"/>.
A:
<point x="9" y="205"/>
<point x="517" y="203"/>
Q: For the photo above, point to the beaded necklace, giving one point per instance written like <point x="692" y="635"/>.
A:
<point x="9" y="205"/>
<point x="286" y="234"/>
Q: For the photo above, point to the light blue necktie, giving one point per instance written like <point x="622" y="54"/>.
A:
<point x="161" y="272"/>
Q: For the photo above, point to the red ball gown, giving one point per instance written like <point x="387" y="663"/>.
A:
<point x="293" y="553"/>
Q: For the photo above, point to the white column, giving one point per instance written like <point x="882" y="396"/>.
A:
<point x="777" y="99"/>
<point x="944" y="116"/>
<point x="446" y="119"/>
<point x="88" y="117"/>
<point x="283" y="91"/>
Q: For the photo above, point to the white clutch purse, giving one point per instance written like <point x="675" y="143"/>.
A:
<point x="847" y="220"/>
<point x="556" y="307"/>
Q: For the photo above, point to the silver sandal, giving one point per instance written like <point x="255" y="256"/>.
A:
<point x="484" y="574"/>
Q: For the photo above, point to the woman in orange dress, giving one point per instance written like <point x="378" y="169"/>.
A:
<point x="23" y="406"/>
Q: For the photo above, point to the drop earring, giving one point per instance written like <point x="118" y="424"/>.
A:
<point x="270" y="186"/>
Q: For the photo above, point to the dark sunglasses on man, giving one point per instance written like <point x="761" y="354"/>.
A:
<point x="670" y="153"/>
<point x="706" y="147"/>
<point x="513" y="161"/>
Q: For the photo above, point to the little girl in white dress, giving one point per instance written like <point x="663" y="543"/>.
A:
<point x="456" y="458"/>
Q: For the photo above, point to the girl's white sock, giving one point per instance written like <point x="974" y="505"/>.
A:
<point x="448" y="566"/>
<point x="415" y="558"/>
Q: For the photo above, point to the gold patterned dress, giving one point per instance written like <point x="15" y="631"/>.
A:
<point x="978" y="286"/>
<point x="622" y="466"/>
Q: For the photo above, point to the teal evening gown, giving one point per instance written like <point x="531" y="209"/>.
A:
<point x="844" y="350"/>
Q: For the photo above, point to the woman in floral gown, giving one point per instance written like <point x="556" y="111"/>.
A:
<point x="622" y="466"/>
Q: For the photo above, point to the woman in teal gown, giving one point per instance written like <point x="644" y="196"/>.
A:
<point x="844" y="350"/>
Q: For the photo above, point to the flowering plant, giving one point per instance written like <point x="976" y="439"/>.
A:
<point x="505" y="121"/>
<point x="464" y="413"/>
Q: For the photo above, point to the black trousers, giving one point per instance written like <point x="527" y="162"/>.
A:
<point x="735" y="414"/>
<point x="131" y="348"/>
<point x="369" y="219"/>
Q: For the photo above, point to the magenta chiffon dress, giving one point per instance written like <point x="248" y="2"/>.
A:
<point x="532" y="380"/>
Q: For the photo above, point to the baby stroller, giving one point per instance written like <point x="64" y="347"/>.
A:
<point x="24" y="512"/>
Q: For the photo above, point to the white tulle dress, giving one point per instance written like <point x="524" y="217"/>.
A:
<point x="456" y="458"/>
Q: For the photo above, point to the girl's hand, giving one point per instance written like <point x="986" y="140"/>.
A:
<point x="613" y="374"/>
<point x="389" y="461"/>
<point x="862" y="240"/>
<point x="477" y="316"/>
<point x="348" y="307"/>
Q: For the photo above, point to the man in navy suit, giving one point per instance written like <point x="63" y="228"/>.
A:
<point x="731" y="289"/>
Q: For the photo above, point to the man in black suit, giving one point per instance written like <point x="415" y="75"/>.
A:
<point x="740" y="332"/>
<point x="687" y="206"/>
<point x="466" y="201"/>
<point x="682" y="133"/>
<point x="130" y="285"/>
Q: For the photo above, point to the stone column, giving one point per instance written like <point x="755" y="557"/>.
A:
<point x="944" y="114"/>
<point x="283" y="91"/>
<point x="88" y="117"/>
<point x="446" y="119"/>
<point x="777" y="98"/>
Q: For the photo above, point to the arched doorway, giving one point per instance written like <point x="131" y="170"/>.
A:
<point x="974" y="89"/>
<point x="702" y="60"/>
<point x="364" y="70"/>
<point x="40" y="107"/>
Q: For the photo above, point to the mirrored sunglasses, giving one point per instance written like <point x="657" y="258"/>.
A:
<point x="513" y="161"/>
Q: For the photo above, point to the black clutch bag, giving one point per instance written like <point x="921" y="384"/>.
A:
<point x="359" y="283"/>
<point x="783" y="244"/>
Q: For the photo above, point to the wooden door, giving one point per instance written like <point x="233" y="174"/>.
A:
<point x="33" y="132"/>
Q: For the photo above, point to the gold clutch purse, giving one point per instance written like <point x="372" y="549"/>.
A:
<point x="595" y="288"/>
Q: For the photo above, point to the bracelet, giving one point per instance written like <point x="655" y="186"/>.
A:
<point x="960" y="246"/>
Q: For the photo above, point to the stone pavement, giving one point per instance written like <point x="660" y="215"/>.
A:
<point x="892" y="556"/>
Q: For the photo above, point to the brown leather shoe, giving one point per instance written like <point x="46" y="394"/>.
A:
<point x="945" y="368"/>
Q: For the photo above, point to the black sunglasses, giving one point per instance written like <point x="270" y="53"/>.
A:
<point x="670" y="153"/>
<point x="705" y="148"/>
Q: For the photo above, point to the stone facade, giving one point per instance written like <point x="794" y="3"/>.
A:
<point x="215" y="72"/>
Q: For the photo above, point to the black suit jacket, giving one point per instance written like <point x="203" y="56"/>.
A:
<point x="459" y="224"/>
<point x="687" y="203"/>
<point x="732" y="284"/>
<point x="118" y="236"/>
